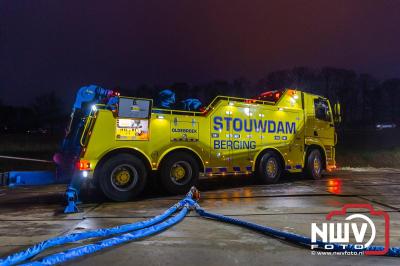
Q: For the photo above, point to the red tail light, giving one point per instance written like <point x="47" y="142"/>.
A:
<point x="83" y="165"/>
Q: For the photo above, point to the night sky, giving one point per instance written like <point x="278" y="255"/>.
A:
<point x="62" y="45"/>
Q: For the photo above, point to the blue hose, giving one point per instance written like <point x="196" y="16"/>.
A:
<point x="294" y="238"/>
<point x="117" y="240"/>
<point x="155" y="225"/>
<point x="60" y="240"/>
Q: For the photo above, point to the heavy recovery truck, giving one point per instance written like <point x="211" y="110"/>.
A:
<point x="114" y="142"/>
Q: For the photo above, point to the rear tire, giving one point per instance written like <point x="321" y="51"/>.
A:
<point x="122" y="177"/>
<point x="314" y="165"/>
<point x="179" y="172"/>
<point x="270" y="168"/>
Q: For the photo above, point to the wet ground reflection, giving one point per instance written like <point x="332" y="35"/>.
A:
<point x="334" y="185"/>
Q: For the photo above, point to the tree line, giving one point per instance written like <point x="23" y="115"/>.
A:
<point x="365" y="100"/>
<point x="44" y="115"/>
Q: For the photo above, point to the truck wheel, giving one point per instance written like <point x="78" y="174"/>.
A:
<point x="179" y="172"/>
<point x="270" y="168"/>
<point x="122" y="177"/>
<point x="314" y="164"/>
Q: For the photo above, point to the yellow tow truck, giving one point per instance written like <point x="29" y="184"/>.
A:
<point x="274" y="132"/>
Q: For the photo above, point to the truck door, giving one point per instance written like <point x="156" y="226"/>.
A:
<point x="322" y="126"/>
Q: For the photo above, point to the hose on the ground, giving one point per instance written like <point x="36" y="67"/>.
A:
<point x="155" y="225"/>
<point x="294" y="238"/>
<point x="70" y="238"/>
<point x="117" y="240"/>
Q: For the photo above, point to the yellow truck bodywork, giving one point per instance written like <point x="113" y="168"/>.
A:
<point x="227" y="138"/>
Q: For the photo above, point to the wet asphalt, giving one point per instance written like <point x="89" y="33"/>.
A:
<point x="31" y="215"/>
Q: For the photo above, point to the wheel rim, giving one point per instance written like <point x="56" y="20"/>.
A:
<point x="317" y="165"/>
<point x="181" y="173"/>
<point x="272" y="168"/>
<point x="124" y="177"/>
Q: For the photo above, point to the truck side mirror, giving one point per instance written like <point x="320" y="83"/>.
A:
<point x="337" y="117"/>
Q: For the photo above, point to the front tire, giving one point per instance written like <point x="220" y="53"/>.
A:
<point x="122" y="177"/>
<point x="270" y="168"/>
<point x="314" y="165"/>
<point x="179" y="172"/>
